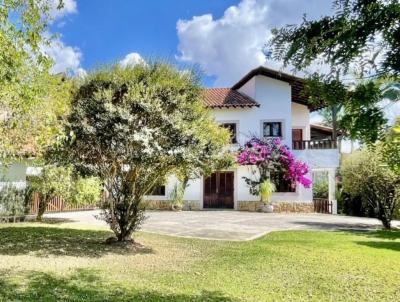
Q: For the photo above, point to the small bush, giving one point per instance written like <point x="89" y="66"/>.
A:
<point x="320" y="189"/>
<point x="87" y="190"/>
<point x="12" y="201"/>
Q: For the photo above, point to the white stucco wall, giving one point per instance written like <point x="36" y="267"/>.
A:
<point x="14" y="173"/>
<point x="274" y="97"/>
<point x="301" y="119"/>
<point x="249" y="88"/>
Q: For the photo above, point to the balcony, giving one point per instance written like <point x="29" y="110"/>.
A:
<point x="314" y="144"/>
<point x="317" y="154"/>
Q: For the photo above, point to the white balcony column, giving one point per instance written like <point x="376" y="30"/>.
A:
<point x="332" y="189"/>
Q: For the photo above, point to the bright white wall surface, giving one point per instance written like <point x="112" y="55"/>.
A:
<point x="274" y="98"/>
<point x="301" y="119"/>
<point x="14" y="174"/>
<point x="249" y="88"/>
<point x="317" y="159"/>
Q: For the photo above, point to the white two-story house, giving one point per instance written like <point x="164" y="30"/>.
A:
<point x="264" y="103"/>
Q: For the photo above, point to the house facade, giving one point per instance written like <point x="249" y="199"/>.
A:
<point x="264" y="103"/>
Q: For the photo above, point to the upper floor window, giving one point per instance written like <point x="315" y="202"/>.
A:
<point x="232" y="129"/>
<point x="272" y="129"/>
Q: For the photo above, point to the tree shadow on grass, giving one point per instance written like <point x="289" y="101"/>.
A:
<point x="335" y="226"/>
<point x="394" y="246"/>
<point x="45" y="241"/>
<point x="389" y="239"/>
<point x="85" y="285"/>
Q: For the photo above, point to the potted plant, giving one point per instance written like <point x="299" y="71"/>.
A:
<point x="266" y="190"/>
<point x="177" y="197"/>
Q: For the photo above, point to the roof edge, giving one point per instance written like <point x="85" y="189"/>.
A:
<point x="272" y="73"/>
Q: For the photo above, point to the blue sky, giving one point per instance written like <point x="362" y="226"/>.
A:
<point x="224" y="38"/>
<point x="106" y="31"/>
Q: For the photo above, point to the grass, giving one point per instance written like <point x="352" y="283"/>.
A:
<point x="56" y="262"/>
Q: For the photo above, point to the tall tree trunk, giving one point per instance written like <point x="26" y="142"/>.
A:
<point x="43" y="201"/>
<point x="334" y="110"/>
<point x="129" y="216"/>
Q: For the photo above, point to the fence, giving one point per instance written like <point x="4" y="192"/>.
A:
<point x="322" y="205"/>
<point x="57" y="204"/>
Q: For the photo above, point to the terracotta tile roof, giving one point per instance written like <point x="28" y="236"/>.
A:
<point x="227" y="98"/>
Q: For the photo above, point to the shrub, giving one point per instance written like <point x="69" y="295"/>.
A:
<point x="12" y="201"/>
<point x="87" y="190"/>
<point x="52" y="182"/>
<point x="320" y="189"/>
<point x="367" y="176"/>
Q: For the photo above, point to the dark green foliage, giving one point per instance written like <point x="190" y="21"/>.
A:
<point x="391" y="147"/>
<point x="345" y="36"/>
<point x="355" y="206"/>
<point x="354" y="112"/>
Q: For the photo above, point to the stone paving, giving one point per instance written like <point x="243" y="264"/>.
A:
<point x="230" y="225"/>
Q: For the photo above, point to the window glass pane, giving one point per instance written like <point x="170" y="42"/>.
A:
<point x="276" y="129"/>
<point x="267" y="129"/>
<point x="272" y="129"/>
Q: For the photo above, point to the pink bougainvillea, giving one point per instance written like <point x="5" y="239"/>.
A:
<point x="271" y="155"/>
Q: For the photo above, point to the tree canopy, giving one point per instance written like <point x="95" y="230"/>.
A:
<point x="357" y="28"/>
<point x="133" y="127"/>
<point x="366" y="175"/>
<point x="31" y="100"/>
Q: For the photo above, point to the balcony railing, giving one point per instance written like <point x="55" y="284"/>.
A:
<point x="314" y="144"/>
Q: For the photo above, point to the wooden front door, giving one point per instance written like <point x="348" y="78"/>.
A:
<point x="218" y="190"/>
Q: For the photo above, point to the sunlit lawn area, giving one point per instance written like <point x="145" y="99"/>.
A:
<point x="40" y="262"/>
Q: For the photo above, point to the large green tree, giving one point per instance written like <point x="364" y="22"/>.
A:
<point x="361" y="37"/>
<point x="391" y="147"/>
<point x="344" y="37"/>
<point x="31" y="100"/>
<point x="135" y="126"/>
<point x="366" y="175"/>
<point x="354" y="112"/>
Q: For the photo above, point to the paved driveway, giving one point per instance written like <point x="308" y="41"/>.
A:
<point x="230" y="225"/>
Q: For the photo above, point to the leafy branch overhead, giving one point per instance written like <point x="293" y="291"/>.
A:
<point x="355" y="111"/>
<point x="357" y="27"/>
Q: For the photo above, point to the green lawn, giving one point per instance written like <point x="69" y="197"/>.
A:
<point x="55" y="262"/>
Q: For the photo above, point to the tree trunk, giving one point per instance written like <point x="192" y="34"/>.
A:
<point x="129" y="216"/>
<point x="43" y="201"/>
<point x="386" y="222"/>
<point x="384" y="216"/>
<point x="334" y="122"/>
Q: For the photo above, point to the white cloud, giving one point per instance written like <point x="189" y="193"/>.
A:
<point x="66" y="58"/>
<point x="230" y="46"/>
<point x="69" y="7"/>
<point x="132" y="59"/>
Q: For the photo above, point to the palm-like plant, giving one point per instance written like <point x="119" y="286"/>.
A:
<point x="266" y="190"/>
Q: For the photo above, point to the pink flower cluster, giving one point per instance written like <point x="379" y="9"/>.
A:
<point x="272" y="153"/>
